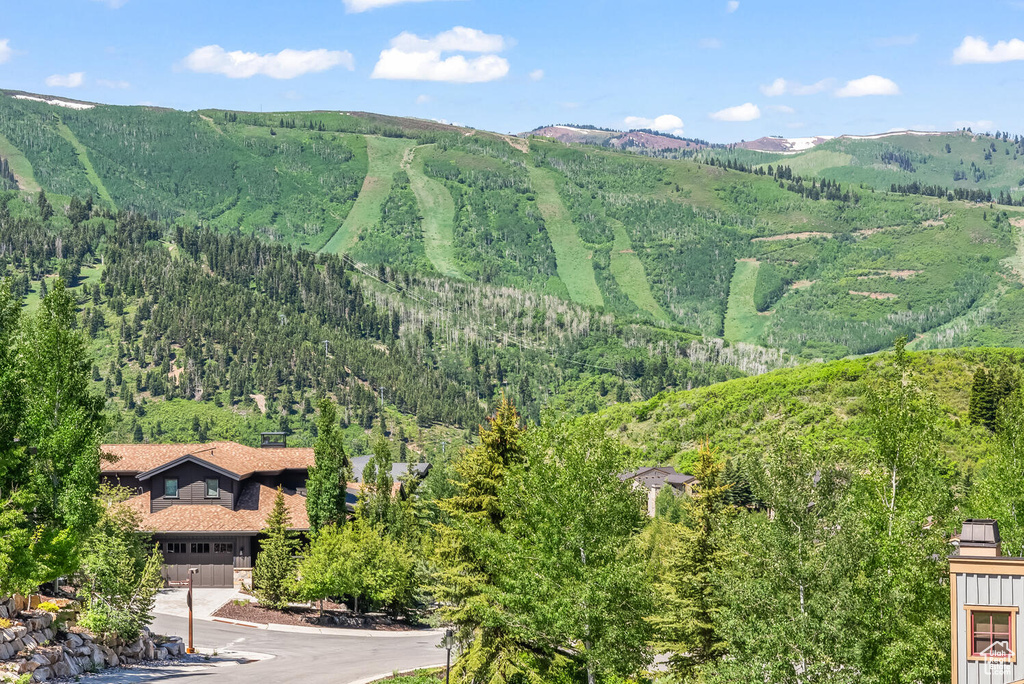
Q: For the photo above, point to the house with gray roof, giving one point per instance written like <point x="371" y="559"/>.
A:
<point x="656" y="478"/>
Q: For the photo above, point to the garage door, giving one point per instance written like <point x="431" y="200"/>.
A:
<point x="213" y="558"/>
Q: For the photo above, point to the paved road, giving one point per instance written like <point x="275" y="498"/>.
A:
<point x="311" y="659"/>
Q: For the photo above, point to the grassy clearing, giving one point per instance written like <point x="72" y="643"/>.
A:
<point x="438" y="211"/>
<point x="83" y="158"/>
<point x="574" y="259"/>
<point x="19" y="165"/>
<point x="385" y="158"/>
<point x="742" y="322"/>
<point x="629" y="273"/>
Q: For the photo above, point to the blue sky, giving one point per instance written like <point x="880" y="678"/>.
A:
<point x="709" y="69"/>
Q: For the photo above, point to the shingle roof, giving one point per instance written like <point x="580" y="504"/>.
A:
<point x="657" y="476"/>
<point x="398" y="470"/>
<point x="254" y="505"/>
<point x="231" y="456"/>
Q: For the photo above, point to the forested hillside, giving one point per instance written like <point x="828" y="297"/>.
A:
<point x="198" y="334"/>
<point x="920" y="163"/>
<point x="744" y="246"/>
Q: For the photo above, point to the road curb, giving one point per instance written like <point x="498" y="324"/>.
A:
<point x="386" y="675"/>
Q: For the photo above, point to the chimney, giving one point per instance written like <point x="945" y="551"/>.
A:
<point x="273" y="440"/>
<point x="980" y="537"/>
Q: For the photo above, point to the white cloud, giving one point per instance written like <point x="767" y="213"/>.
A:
<point x="732" y="6"/>
<point x="709" y="43"/>
<point x="5" y="50"/>
<point x="428" y="66"/>
<point x="743" y="112"/>
<point x="458" y="39"/>
<point x="116" y="85"/>
<point x="666" y="123"/>
<point x="869" y="85"/>
<point x="536" y="74"/>
<point x="976" y="126"/>
<point x="419" y="59"/>
<point x="781" y="86"/>
<point x="422" y="99"/>
<point x="976" y="50"/>
<point x="782" y="109"/>
<point x="213" y="59"/>
<point x="114" y="4"/>
<point x="69" y="81"/>
<point x="355" y="6"/>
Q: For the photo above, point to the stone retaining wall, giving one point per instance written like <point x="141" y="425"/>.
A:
<point x="35" y="644"/>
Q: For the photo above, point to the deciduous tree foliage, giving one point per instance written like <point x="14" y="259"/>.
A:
<point x="120" y="572"/>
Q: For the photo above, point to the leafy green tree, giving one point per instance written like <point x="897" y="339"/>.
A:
<point x="905" y="499"/>
<point x="274" y="575"/>
<point x="63" y="421"/>
<point x="789" y="610"/>
<point x="17" y="562"/>
<point x="120" y="572"/>
<point x="327" y="569"/>
<point x="688" y="598"/>
<point x="329" y="476"/>
<point x="995" y="495"/>
<point x="569" y="581"/>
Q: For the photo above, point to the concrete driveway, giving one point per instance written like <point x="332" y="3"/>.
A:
<point x="338" y="658"/>
<point x="204" y="602"/>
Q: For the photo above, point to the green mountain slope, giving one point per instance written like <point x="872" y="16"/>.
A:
<point x="959" y="160"/>
<point x="824" y="400"/>
<point x="655" y="241"/>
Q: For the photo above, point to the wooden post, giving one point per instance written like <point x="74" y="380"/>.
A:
<point x="191" y="572"/>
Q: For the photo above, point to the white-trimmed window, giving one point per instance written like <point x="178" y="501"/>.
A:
<point x="212" y="488"/>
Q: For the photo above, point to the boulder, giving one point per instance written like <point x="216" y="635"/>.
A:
<point x="150" y="650"/>
<point x="161" y="653"/>
<point x="42" y="674"/>
<point x="61" y="669"/>
<point x="6" y="634"/>
<point x="28" y="642"/>
<point x="24" y="666"/>
<point x="97" y="656"/>
<point x="113" y="660"/>
<point x="41" y="659"/>
<point x="19" y="631"/>
<point x="73" y="640"/>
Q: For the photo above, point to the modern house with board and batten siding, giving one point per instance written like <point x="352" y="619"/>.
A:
<point x="986" y="599"/>
<point x="205" y="504"/>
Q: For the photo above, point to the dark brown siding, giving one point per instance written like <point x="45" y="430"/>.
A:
<point x="191" y="488"/>
<point x="289" y="479"/>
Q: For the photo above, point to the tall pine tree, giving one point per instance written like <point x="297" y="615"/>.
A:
<point x="274" y="576"/>
<point x="325" y="487"/>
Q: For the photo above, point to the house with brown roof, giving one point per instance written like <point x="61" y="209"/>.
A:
<point x="205" y="503"/>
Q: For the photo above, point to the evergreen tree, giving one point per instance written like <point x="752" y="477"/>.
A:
<point x="330" y="474"/>
<point x="45" y="210"/>
<point x="690" y="605"/>
<point x="377" y="502"/>
<point x="463" y="579"/>
<point x="64" y="421"/>
<point x="274" y="576"/>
